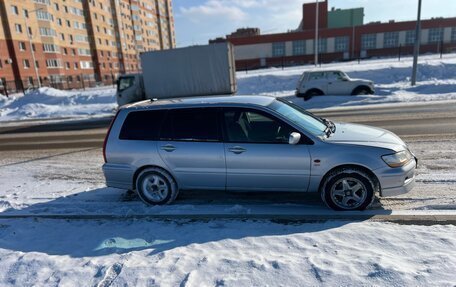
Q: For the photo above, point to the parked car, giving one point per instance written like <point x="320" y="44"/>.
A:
<point x="318" y="83"/>
<point x="251" y="143"/>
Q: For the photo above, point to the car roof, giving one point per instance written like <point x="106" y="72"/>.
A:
<point x="203" y="101"/>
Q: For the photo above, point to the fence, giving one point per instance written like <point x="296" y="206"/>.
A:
<point x="62" y="83"/>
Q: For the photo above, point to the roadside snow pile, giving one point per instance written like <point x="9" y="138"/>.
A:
<point x="224" y="253"/>
<point x="436" y="81"/>
<point x="52" y="103"/>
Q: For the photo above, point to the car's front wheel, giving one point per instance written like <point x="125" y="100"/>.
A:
<point x="156" y="186"/>
<point x="348" y="189"/>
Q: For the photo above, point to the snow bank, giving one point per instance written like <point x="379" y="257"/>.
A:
<point x="436" y="81"/>
<point x="52" y="103"/>
<point x="225" y="253"/>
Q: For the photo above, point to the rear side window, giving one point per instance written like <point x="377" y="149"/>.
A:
<point x="142" y="125"/>
<point x="192" y="125"/>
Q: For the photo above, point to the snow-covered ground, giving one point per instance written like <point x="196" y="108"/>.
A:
<point x="128" y="252"/>
<point x="224" y="253"/>
<point x="436" y="81"/>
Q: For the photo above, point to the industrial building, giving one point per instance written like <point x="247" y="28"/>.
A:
<point x="76" y="43"/>
<point x="342" y="35"/>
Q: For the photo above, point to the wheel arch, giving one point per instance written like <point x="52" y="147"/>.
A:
<point x="359" y="87"/>
<point x="359" y="167"/>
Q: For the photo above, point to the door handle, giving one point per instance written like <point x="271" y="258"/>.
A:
<point x="237" y="150"/>
<point x="168" y="148"/>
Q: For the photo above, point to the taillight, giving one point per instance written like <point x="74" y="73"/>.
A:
<point x="107" y="136"/>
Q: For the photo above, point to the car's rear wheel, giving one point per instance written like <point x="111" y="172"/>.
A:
<point x="348" y="189"/>
<point x="155" y="186"/>
<point x="312" y="93"/>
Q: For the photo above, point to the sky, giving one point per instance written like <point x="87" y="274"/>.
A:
<point x="197" y="21"/>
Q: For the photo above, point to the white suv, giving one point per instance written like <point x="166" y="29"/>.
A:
<point x="317" y="83"/>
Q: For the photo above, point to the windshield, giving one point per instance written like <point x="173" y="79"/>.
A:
<point x="299" y="117"/>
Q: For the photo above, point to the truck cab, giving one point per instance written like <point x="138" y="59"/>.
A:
<point x="130" y="88"/>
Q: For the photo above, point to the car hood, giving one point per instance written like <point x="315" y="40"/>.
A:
<point x="347" y="133"/>
<point x="360" y="80"/>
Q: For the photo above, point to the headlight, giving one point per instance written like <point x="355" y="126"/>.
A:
<point x="397" y="159"/>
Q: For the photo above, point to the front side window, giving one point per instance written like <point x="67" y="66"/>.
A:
<point x="250" y="126"/>
<point x="125" y="83"/>
<point x="198" y="125"/>
<point x="336" y="76"/>
<point x="299" y="117"/>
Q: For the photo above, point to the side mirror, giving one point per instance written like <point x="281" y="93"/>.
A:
<point x="294" y="138"/>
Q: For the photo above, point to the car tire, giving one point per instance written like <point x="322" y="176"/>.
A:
<point x="360" y="91"/>
<point x="155" y="186"/>
<point x="348" y="189"/>
<point x="312" y="93"/>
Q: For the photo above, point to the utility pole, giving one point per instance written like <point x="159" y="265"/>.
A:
<point x="316" y="33"/>
<point x="30" y="42"/>
<point x="417" y="44"/>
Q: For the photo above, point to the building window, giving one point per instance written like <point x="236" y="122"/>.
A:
<point x="37" y="65"/>
<point x="278" y="49"/>
<point x="53" y="63"/>
<point x="26" y="15"/>
<point x="43" y="15"/>
<point x="341" y="44"/>
<point x="26" y="64"/>
<point x="299" y="47"/>
<point x="14" y="10"/>
<point x="18" y="28"/>
<point x="410" y="37"/>
<point x="453" y="34"/>
<point x="67" y="65"/>
<point x="368" y="41"/>
<point x="22" y="46"/>
<point x="435" y="35"/>
<point x="391" y="39"/>
<point x="322" y="46"/>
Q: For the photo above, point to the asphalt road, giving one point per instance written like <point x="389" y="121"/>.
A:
<point x="410" y="121"/>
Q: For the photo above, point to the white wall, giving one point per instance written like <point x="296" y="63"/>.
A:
<point x="447" y="35"/>
<point x="309" y="47"/>
<point x="380" y="37"/>
<point x="330" y="45"/>
<point x="288" y="48"/>
<point x="254" y="51"/>
<point x="402" y="35"/>
<point x="424" y="36"/>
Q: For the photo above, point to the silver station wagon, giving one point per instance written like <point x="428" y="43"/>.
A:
<point x="251" y="143"/>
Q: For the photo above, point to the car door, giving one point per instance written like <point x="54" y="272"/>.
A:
<point x="258" y="156"/>
<point x="190" y="145"/>
<point x="338" y="84"/>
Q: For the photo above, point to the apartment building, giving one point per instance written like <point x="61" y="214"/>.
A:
<point x="69" y="42"/>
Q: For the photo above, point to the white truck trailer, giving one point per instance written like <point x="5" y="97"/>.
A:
<point x="181" y="72"/>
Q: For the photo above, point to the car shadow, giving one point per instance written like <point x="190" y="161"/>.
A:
<point x="81" y="237"/>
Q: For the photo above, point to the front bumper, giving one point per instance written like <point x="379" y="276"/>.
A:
<point x="396" y="181"/>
